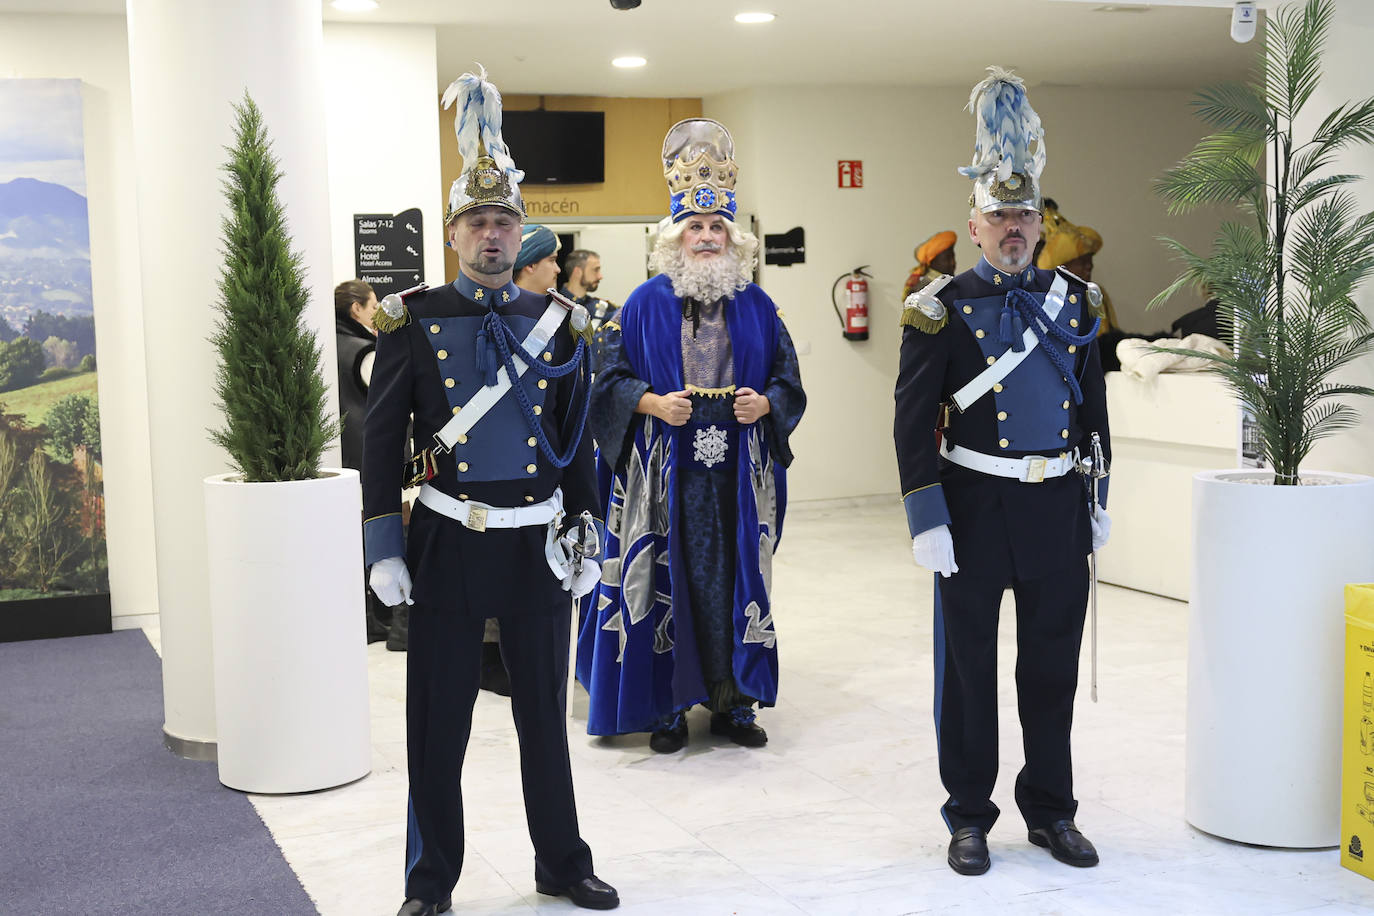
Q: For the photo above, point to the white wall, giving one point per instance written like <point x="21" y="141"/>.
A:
<point x="383" y="134"/>
<point x="94" y="49"/>
<point x="1104" y="149"/>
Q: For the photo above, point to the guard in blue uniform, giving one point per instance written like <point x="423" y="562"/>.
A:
<point x="503" y="525"/>
<point x="999" y="396"/>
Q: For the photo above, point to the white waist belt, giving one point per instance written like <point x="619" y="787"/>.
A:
<point x="479" y="516"/>
<point x="1030" y="469"/>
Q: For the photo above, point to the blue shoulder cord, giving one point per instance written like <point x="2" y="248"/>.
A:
<point x="496" y="329"/>
<point x="1023" y="309"/>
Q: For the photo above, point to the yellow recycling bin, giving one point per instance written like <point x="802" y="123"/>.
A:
<point x="1357" y="755"/>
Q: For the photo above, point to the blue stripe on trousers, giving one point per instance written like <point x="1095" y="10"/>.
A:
<point x="414" y="843"/>
<point x="939" y="673"/>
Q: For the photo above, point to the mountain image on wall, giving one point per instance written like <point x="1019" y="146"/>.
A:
<point x="39" y="219"/>
<point x="45" y="251"/>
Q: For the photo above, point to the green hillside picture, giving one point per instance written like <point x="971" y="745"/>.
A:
<point x="52" y="490"/>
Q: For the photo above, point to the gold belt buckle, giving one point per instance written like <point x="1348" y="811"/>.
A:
<point x="1035" y="470"/>
<point x="477" y="518"/>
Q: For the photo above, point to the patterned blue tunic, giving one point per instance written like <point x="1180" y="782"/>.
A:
<point x="693" y="516"/>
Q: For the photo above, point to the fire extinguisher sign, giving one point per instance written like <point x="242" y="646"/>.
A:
<point x="851" y="173"/>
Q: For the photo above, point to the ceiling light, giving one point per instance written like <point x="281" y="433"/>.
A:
<point x="354" y="6"/>
<point x="754" y="18"/>
<point x="626" y="63"/>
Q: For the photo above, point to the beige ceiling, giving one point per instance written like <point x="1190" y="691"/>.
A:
<point x="696" y="49"/>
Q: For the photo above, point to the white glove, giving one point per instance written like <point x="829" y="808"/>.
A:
<point x="934" y="549"/>
<point x="1102" y="526"/>
<point x="579" y="583"/>
<point x="390" y="581"/>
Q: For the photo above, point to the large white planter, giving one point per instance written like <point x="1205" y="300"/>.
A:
<point x="1265" y="653"/>
<point x="290" y="647"/>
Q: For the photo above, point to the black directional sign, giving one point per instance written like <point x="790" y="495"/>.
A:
<point x="389" y="251"/>
<point x="786" y="248"/>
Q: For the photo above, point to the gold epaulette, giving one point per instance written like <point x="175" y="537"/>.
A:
<point x="385" y="323"/>
<point x="914" y="318"/>
<point x="611" y="325"/>
<point x="392" y="314"/>
<point x="585" y="334"/>
<point x="924" y="311"/>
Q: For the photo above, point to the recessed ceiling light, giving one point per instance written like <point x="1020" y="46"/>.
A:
<point x="754" y="18"/>
<point x="354" y="6"/>
<point x="626" y="63"/>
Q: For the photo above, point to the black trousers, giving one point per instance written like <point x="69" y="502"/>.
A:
<point x="1049" y="633"/>
<point x="443" y="667"/>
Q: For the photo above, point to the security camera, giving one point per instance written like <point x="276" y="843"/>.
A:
<point x="1244" y="18"/>
<point x="631" y="4"/>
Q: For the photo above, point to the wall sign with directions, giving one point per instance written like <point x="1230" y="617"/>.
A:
<point x="389" y="250"/>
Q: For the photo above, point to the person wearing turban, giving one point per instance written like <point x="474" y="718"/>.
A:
<point x="1072" y="248"/>
<point x="934" y="258"/>
<point x="536" y="267"/>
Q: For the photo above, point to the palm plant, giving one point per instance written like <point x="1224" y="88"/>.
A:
<point x="1285" y="277"/>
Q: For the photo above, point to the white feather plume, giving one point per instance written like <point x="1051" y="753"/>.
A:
<point x="477" y="122"/>
<point x="1006" y="126"/>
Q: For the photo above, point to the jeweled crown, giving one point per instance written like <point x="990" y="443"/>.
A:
<point x="699" y="166"/>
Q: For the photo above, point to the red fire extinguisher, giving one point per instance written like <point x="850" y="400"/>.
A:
<point x="855" y="317"/>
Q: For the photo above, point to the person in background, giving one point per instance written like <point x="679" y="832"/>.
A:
<point x="355" y="339"/>
<point x="581" y="277"/>
<point x="1073" y="248"/>
<point x="934" y="259"/>
<point x="536" y="267"/>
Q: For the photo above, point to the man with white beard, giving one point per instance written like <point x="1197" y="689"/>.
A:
<point x="694" y="403"/>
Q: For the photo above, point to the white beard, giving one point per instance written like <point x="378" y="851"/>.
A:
<point x="705" y="280"/>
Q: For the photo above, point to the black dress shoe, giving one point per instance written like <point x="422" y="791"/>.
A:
<point x="417" y="907"/>
<point x="670" y="738"/>
<point x="377" y="630"/>
<point x="739" y="726"/>
<point x="591" y="893"/>
<point x="494" y="675"/>
<point x="1065" y="843"/>
<point x="968" y="851"/>
<point x="398" y="636"/>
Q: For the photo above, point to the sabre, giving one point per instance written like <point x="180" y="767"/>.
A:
<point x="1097" y="469"/>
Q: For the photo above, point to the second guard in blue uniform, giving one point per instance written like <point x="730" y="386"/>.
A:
<point x="1001" y="360"/>
<point x="497" y="381"/>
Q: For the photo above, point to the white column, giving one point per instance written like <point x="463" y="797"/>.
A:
<point x="190" y="60"/>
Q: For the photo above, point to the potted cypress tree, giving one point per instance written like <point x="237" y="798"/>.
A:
<point x="1273" y="548"/>
<point x="284" y="536"/>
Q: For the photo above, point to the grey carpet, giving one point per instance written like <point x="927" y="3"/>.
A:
<point x="97" y="817"/>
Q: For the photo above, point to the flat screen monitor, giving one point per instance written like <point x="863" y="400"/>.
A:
<point x="557" y="147"/>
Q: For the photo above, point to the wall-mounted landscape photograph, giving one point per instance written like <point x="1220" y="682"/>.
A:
<point x="53" y="566"/>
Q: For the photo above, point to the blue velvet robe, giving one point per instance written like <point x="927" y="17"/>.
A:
<point x="637" y="652"/>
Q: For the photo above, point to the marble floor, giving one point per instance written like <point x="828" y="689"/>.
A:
<point x="838" y="814"/>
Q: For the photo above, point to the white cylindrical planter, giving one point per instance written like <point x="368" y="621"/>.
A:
<point x="1265" y="652"/>
<point x="290" y="646"/>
